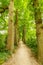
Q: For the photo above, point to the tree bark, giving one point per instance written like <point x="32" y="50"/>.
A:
<point x="24" y="34"/>
<point x="16" y="30"/>
<point x="10" y="40"/>
<point x="39" y="30"/>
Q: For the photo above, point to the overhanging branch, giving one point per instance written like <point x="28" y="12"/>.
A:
<point x="3" y="9"/>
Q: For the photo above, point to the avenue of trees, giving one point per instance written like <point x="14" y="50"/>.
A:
<point x="21" y="20"/>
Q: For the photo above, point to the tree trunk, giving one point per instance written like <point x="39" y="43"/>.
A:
<point x="10" y="40"/>
<point x="39" y="30"/>
<point x="16" y="30"/>
<point x="24" y="34"/>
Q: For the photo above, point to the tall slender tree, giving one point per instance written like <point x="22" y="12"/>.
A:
<point x="24" y="34"/>
<point x="10" y="40"/>
<point x="16" y="30"/>
<point x="39" y="29"/>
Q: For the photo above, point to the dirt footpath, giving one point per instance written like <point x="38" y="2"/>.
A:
<point x="22" y="57"/>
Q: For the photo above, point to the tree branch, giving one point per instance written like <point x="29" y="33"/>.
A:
<point x="3" y="9"/>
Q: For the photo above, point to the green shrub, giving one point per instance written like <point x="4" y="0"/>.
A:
<point x="2" y="41"/>
<point x="3" y="57"/>
<point x="32" y="44"/>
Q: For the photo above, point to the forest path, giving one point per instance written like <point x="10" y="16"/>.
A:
<point x="22" y="57"/>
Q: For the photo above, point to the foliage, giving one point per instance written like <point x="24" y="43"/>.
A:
<point x="33" y="45"/>
<point x="3" y="57"/>
<point x="25" y="17"/>
<point x="2" y="42"/>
